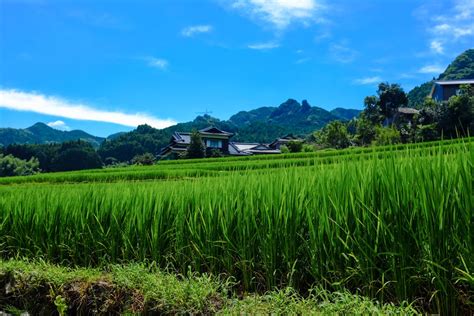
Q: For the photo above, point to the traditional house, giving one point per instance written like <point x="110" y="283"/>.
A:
<point x="277" y="143"/>
<point x="213" y="139"/>
<point x="442" y="90"/>
<point x="245" y="149"/>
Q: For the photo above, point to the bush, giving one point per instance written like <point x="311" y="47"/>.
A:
<point x="295" y="146"/>
<point x="387" y="136"/>
<point x="284" y="149"/>
<point x="307" y="148"/>
<point x="147" y="159"/>
<point x="11" y="166"/>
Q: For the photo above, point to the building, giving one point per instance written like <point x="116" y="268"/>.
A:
<point x="245" y="149"/>
<point x="277" y="143"/>
<point x="213" y="139"/>
<point x="442" y="90"/>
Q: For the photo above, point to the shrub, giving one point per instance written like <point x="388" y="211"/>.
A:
<point x="11" y="166"/>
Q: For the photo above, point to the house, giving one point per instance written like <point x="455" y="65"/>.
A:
<point x="213" y="139"/>
<point x="277" y="143"/>
<point x="245" y="149"/>
<point x="442" y="90"/>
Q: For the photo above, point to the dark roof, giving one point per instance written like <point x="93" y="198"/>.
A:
<point x="214" y="130"/>
<point x="184" y="138"/>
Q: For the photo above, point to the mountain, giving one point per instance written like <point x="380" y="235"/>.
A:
<point x="41" y="133"/>
<point x="461" y="68"/>
<point x="345" y="114"/>
<point x="260" y="125"/>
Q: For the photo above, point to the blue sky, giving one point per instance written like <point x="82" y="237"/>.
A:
<point x="106" y="66"/>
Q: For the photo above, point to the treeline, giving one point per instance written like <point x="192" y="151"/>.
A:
<point x="387" y="120"/>
<point x="67" y="156"/>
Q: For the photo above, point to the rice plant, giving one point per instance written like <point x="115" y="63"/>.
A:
<point x="395" y="224"/>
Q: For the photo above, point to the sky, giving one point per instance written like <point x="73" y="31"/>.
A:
<point x="106" y="66"/>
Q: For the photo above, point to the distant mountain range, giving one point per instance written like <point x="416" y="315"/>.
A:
<point x="260" y="125"/>
<point x="41" y="133"/>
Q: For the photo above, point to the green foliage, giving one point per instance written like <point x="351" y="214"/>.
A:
<point x="390" y="98"/>
<point x="457" y="117"/>
<point x="73" y="155"/>
<point x="322" y="211"/>
<point x="418" y="95"/>
<point x="284" y="149"/>
<point x="11" y="166"/>
<point x="144" y="289"/>
<point x="333" y="135"/>
<point x="307" y="148"/>
<point x="215" y="153"/>
<point x="147" y="159"/>
<point x="386" y="136"/>
<point x="365" y="130"/>
<point x="461" y="68"/>
<point x="295" y="146"/>
<point x="196" y="147"/>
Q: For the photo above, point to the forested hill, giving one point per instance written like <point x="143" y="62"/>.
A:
<point x="41" y="133"/>
<point x="260" y="125"/>
<point x="461" y="68"/>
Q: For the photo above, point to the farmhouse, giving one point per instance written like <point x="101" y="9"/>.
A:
<point x="214" y="139"/>
<point x="442" y="90"/>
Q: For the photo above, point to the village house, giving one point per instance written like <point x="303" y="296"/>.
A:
<point x="214" y="139"/>
<point x="442" y="90"/>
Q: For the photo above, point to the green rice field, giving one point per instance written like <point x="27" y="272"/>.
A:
<point x="393" y="223"/>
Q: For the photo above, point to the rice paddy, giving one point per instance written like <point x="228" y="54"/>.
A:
<point x="393" y="223"/>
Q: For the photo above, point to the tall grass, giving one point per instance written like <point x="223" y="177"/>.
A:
<point x="396" y="227"/>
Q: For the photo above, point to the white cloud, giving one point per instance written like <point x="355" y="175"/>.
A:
<point x="450" y="27"/>
<point x="159" y="63"/>
<point x="437" y="46"/>
<point x="195" y="29"/>
<point x="264" y="46"/>
<point x="59" y="125"/>
<point x="279" y="13"/>
<point x="431" y="69"/>
<point x="342" y="53"/>
<point x="49" y="105"/>
<point x="368" y="80"/>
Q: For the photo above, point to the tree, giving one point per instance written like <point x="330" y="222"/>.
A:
<point x="457" y="115"/>
<point x="372" y="111"/>
<point x="12" y="166"/>
<point x="295" y="146"/>
<point x="147" y="159"/>
<point x="387" y="136"/>
<point x="333" y="135"/>
<point x="196" y="147"/>
<point x="76" y="155"/>
<point x="365" y="131"/>
<point x="391" y="97"/>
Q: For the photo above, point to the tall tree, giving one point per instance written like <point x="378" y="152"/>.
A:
<point x="196" y="147"/>
<point x="391" y="97"/>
